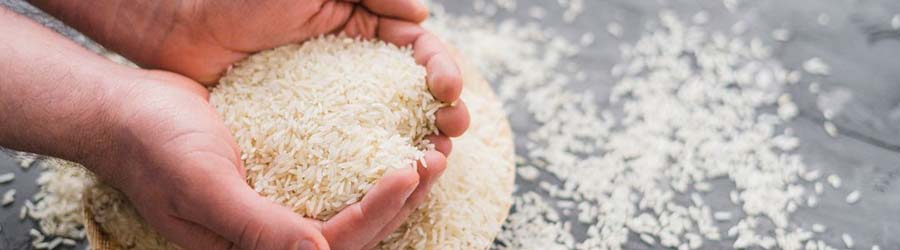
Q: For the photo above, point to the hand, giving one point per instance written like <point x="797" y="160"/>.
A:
<point x="202" y="38"/>
<point x="180" y="167"/>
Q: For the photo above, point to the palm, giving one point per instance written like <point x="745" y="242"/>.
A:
<point x="172" y="125"/>
<point x="182" y="170"/>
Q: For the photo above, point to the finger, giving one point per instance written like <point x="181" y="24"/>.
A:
<point x="408" y="10"/>
<point x="332" y="18"/>
<point x="361" y="23"/>
<point x="189" y="235"/>
<point x="453" y="120"/>
<point x="237" y="213"/>
<point x="444" y="76"/>
<point x="357" y="224"/>
<point x="437" y="163"/>
<point x="441" y="143"/>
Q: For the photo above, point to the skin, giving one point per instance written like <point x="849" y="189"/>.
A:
<point x="152" y="133"/>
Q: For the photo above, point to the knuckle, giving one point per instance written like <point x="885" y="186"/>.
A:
<point x="251" y="236"/>
<point x="358" y="213"/>
<point x="182" y="198"/>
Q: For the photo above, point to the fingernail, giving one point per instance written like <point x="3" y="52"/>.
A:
<point x="307" y="245"/>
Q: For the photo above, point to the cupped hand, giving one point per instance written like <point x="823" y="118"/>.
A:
<point x="178" y="164"/>
<point x="201" y="39"/>
<point x="211" y="36"/>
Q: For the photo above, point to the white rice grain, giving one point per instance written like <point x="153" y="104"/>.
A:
<point x="848" y="240"/>
<point x="819" y="228"/>
<point x="69" y="242"/>
<point x="528" y="173"/>
<point x="816" y="66"/>
<point x="834" y="180"/>
<point x="7" y="177"/>
<point x="812" y="201"/>
<point x="731" y="5"/>
<point x="587" y="39"/>
<point x="853" y="197"/>
<point x="649" y="240"/>
<point x="781" y="35"/>
<point x="895" y="22"/>
<point x="812" y="175"/>
<point x="615" y="29"/>
<point x="722" y="216"/>
<point x="23" y="212"/>
<point x="830" y="129"/>
<point x="815" y="87"/>
<point x="8" y="197"/>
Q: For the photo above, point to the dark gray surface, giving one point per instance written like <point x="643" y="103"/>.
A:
<point x="858" y="43"/>
<point x="862" y="50"/>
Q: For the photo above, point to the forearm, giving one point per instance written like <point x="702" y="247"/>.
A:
<point x="136" y="29"/>
<point x="54" y="95"/>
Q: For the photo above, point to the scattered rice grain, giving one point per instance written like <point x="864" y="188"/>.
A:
<point x="830" y="129"/>
<point x="7" y="177"/>
<point x="853" y="197"/>
<point x="615" y="29"/>
<point x="848" y="241"/>
<point x="834" y="180"/>
<point x="816" y="66"/>
<point x="8" y="197"/>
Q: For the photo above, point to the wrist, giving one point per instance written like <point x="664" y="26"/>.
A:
<point x="57" y="98"/>
<point x="107" y="143"/>
<point x="96" y="135"/>
<point x="135" y="108"/>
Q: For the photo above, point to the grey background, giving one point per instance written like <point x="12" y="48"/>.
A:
<point x="859" y="44"/>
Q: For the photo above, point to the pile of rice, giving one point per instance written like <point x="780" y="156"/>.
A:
<point x="56" y="206"/>
<point x="321" y="122"/>
<point x="111" y="210"/>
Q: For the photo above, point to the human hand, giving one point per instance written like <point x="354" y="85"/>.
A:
<point x="178" y="164"/>
<point x="202" y="38"/>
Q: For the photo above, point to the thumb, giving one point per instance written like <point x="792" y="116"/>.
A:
<point x="251" y="222"/>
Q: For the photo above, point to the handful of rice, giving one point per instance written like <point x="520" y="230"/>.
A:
<point x="321" y="122"/>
